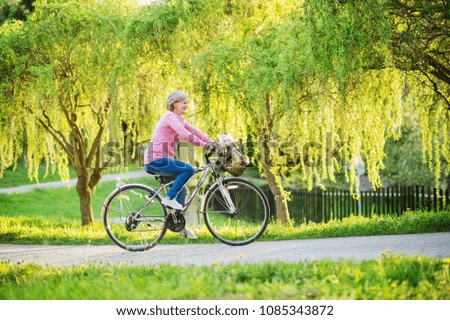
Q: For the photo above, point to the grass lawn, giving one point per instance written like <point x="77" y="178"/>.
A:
<point x="388" y="277"/>
<point x="37" y="230"/>
<point x="52" y="216"/>
<point x="18" y="176"/>
<point x="58" y="204"/>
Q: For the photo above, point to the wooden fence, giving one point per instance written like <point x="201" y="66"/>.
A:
<point x="322" y="205"/>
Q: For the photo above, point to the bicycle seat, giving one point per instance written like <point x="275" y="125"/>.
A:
<point x="156" y="175"/>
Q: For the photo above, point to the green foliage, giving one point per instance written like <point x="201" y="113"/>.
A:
<point x="390" y="277"/>
<point x="405" y="163"/>
<point x="62" y="73"/>
<point x="15" y="9"/>
<point x="10" y="128"/>
<point x="154" y="25"/>
<point x="288" y="91"/>
<point x="421" y="39"/>
<point x="346" y="37"/>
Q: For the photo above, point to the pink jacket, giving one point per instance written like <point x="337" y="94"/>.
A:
<point x="168" y="132"/>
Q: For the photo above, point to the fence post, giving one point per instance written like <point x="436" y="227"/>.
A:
<point x="447" y="196"/>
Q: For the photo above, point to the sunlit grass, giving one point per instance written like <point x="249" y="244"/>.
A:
<point x="36" y="231"/>
<point x="21" y="230"/>
<point x="409" y="222"/>
<point x="388" y="277"/>
<point x="18" y="176"/>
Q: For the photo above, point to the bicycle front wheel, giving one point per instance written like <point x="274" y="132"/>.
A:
<point x="246" y="219"/>
<point x="132" y="220"/>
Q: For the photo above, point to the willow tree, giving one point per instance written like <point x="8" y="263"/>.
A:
<point x="240" y="70"/>
<point x="410" y="38"/>
<point x="283" y="79"/>
<point x="420" y="47"/>
<point x="63" y="99"/>
<point x="356" y="93"/>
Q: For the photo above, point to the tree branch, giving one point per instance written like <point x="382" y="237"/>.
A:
<point x="440" y="71"/>
<point x="269" y="115"/>
<point x="97" y="173"/>
<point x="436" y="89"/>
<point x="56" y="134"/>
<point x="98" y="137"/>
<point x="55" y="137"/>
<point x="78" y="137"/>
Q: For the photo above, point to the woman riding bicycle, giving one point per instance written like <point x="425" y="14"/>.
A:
<point x="159" y="156"/>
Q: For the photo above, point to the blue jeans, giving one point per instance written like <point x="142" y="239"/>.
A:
<point x="173" y="169"/>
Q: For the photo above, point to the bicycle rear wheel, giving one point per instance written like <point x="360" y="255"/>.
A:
<point x="130" y="221"/>
<point x="250" y="218"/>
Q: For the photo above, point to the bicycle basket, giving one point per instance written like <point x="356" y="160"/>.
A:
<point x="234" y="161"/>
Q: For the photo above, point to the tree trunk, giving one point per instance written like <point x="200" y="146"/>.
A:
<point x="85" y="194"/>
<point x="274" y="181"/>
<point x="275" y="186"/>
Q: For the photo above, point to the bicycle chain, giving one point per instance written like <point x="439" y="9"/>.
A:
<point x="175" y="222"/>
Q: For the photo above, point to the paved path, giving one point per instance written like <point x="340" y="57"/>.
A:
<point x="356" y="248"/>
<point x="72" y="182"/>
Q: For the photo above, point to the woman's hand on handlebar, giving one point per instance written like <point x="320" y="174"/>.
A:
<point x="212" y="146"/>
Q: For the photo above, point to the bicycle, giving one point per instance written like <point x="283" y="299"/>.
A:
<point x="236" y="211"/>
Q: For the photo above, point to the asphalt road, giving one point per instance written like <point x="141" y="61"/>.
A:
<point x="355" y="248"/>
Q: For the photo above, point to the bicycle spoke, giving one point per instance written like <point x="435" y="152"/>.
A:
<point x="251" y="216"/>
<point x="219" y="198"/>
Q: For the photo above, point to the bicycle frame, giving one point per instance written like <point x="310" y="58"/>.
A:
<point x="207" y="169"/>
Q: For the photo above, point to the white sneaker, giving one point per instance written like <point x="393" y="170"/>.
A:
<point x="187" y="233"/>
<point x="172" y="203"/>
